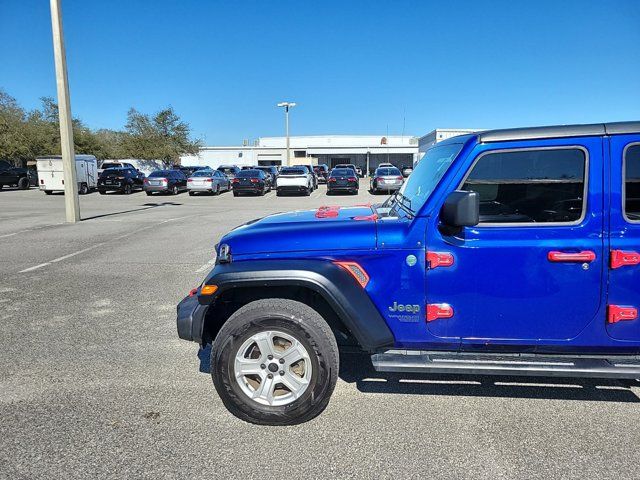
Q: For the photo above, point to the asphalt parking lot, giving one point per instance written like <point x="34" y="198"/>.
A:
<point x="94" y="381"/>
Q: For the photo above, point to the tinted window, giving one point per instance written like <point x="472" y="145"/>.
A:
<point x="250" y="173"/>
<point x="632" y="182"/>
<point x="202" y="173"/>
<point x="159" y="173"/>
<point x="341" y="172"/>
<point x="293" y="171"/>
<point x="109" y="165"/>
<point x="388" y="171"/>
<point x="529" y="186"/>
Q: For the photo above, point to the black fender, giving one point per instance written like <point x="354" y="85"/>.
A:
<point x="339" y="289"/>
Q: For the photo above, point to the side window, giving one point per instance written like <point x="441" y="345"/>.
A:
<point x="530" y="186"/>
<point x="632" y="183"/>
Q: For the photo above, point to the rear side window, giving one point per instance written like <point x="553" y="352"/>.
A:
<point x="632" y="183"/>
<point x="530" y="186"/>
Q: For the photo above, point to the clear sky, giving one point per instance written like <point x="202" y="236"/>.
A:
<point x="353" y="67"/>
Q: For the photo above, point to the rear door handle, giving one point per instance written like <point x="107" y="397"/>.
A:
<point x="578" y="257"/>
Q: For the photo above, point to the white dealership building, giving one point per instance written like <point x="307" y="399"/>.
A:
<point x="361" y="150"/>
<point x="365" y="151"/>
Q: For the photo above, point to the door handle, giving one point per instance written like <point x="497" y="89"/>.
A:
<point x="566" y="257"/>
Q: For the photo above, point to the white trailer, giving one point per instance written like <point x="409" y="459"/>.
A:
<point x="51" y="177"/>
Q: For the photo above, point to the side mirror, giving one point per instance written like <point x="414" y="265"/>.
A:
<point x="461" y="209"/>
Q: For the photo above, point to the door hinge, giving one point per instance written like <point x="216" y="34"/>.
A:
<point x="439" y="310"/>
<point x="618" y="313"/>
<point x="439" y="259"/>
<point x="620" y="258"/>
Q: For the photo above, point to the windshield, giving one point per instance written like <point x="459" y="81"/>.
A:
<point x="227" y="170"/>
<point x="293" y="171"/>
<point x="109" y="165"/>
<point x="248" y="173"/>
<point x="387" y="171"/>
<point x="426" y="175"/>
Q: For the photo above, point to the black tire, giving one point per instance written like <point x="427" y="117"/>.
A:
<point x="308" y="191"/>
<point x="48" y="192"/>
<point x="263" y="191"/>
<point x="235" y="194"/>
<point x="127" y="189"/>
<point x="295" y="319"/>
<point x="217" y="191"/>
<point x="278" y="193"/>
<point x="23" y="183"/>
<point x="102" y="192"/>
<point x="83" y="190"/>
<point x="191" y="194"/>
<point x="149" y="193"/>
<point x="175" y="190"/>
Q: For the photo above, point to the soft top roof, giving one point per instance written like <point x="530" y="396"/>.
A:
<point x="558" y="131"/>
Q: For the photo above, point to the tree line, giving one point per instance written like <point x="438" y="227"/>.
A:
<point x="25" y="135"/>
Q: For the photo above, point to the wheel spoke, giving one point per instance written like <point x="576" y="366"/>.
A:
<point x="294" y="353"/>
<point x="294" y="383"/>
<point x="264" y="340"/>
<point x="265" y="389"/>
<point x="246" y="366"/>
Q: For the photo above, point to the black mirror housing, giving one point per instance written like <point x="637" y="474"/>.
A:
<point x="461" y="209"/>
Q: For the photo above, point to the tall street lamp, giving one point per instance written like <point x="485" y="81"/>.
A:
<point x="287" y="106"/>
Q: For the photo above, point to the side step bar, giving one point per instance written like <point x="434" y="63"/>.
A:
<point x="413" y="361"/>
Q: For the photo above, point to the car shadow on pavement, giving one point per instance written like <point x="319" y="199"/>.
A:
<point x="145" y="206"/>
<point x="357" y="368"/>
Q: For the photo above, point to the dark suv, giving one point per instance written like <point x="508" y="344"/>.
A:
<point x="123" y="180"/>
<point x="13" y="176"/>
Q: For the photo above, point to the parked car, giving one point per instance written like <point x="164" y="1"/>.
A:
<point x="322" y="172"/>
<point x="506" y="252"/>
<point x="208" y="181"/>
<point x="348" y="165"/>
<point x="313" y="174"/>
<point x="386" y="179"/>
<point x="51" y="174"/>
<point x="123" y="180"/>
<point x="294" y="180"/>
<point x="342" y="180"/>
<point x="251" y="181"/>
<point x="165" y="181"/>
<point x="272" y="171"/>
<point x="11" y="175"/>
<point x="229" y="170"/>
<point x="406" y="171"/>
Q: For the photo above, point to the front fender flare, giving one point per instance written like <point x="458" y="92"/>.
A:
<point x="347" y="298"/>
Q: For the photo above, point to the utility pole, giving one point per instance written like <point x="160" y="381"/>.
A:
<point x="286" y="106"/>
<point x="71" y="202"/>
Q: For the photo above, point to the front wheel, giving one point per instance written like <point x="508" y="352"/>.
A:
<point x="275" y="362"/>
<point x="23" y="183"/>
<point x="174" y="190"/>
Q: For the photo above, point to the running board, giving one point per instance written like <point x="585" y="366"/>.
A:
<point x="413" y="361"/>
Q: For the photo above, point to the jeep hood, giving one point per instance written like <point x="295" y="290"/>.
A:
<point x="324" y="229"/>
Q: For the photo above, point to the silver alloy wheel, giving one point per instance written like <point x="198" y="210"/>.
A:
<point x="273" y="368"/>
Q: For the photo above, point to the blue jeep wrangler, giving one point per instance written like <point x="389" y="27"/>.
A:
<point x="512" y="252"/>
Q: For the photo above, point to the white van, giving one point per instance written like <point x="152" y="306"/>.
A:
<point x="51" y="178"/>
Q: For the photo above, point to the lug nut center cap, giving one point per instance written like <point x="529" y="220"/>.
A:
<point x="273" y="367"/>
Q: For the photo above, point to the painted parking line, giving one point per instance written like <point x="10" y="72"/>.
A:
<point x="92" y="247"/>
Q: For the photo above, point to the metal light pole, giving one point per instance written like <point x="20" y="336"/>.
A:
<point x="286" y="106"/>
<point x="71" y="202"/>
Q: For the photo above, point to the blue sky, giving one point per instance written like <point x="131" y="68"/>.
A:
<point x="353" y="67"/>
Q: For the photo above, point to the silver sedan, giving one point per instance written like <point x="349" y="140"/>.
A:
<point x="386" y="179"/>
<point x="208" y="181"/>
